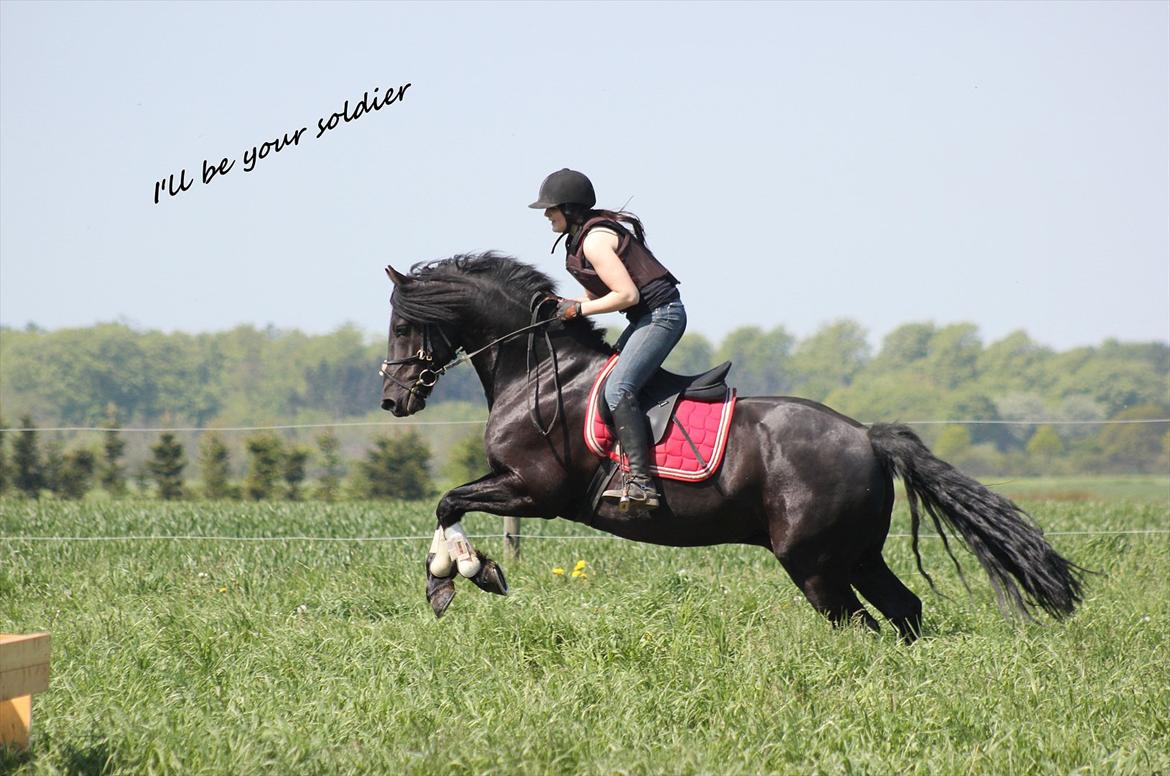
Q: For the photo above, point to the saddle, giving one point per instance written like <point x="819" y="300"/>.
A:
<point x="689" y="418"/>
<point x="659" y="397"/>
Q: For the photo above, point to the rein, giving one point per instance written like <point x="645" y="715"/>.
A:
<point x="427" y="377"/>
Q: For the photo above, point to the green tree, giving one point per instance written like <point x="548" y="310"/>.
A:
<point x="693" y="354"/>
<point x="888" y="397"/>
<point x="468" y="461"/>
<point x="968" y="403"/>
<point x="903" y="347"/>
<point x="76" y="474"/>
<point x="829" y="359"/>
<point x="952" y="441"/>
<point x="1045" y="447"/>
<point x="1021" y="407"/>
<point x="953" y="355"/>
<point x="760" y="358"/>
<point x="293" y="471"/>
<point x="215" y="467"/>
<point x="1014" y="363"/>
<point x="166" y="466"/>
<point x="332" y="467"/>
<point x="397" y="468"/>
<point x="112" y="473"/>
<point x="1133" y="446"/>
<point x="265" y="462"/>
<point x="53" y="467"/>
<point x="26" y="460"/>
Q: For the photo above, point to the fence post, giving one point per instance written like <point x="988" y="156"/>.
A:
<point x="512" y="538"/>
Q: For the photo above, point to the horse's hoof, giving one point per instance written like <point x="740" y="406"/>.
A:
<point x="441" y="598"/>
<point x="490" y="577"/>
<point x="440" y="591"/>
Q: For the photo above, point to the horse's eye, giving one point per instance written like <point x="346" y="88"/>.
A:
<point x="401" y="331"/>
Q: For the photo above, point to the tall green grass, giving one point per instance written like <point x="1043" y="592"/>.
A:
<point x="201" y="656"/>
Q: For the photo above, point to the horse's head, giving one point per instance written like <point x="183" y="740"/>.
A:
<point x="416" y="355"/>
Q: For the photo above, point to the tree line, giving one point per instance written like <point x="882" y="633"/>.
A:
<point x="921" y="371"/>
<point x="394" y="466"/>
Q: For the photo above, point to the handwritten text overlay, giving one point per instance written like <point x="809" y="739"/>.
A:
<point x="369" y="103"/>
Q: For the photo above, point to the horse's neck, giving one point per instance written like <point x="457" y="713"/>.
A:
<point x="505" y="371"/>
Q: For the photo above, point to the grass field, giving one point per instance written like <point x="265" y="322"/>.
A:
<point x="201" y="656"/>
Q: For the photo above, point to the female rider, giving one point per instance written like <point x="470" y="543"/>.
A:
<point x="618" y="272"/>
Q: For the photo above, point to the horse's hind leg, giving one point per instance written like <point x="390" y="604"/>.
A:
<point x="874" y="580"/>
<point x="831" y="595"/>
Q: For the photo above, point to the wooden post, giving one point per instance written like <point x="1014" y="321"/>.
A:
<point x="24" y="670"/>
<point x="512" y="538"/>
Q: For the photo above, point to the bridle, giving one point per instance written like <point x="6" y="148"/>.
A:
<point x="428" y="377"/>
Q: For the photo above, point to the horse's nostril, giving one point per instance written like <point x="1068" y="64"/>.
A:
<point x="388" y="404"/>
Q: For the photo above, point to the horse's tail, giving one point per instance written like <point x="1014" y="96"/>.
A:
<point x="1023" y="567"/>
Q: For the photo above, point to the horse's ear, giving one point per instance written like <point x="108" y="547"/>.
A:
<point x="396" y="277"/>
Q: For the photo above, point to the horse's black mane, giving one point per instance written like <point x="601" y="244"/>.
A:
<point x="445" y="290"/>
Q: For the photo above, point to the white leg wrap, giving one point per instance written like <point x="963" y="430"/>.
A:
<point x="459" y="546"/>
<point x="441" y="562"/>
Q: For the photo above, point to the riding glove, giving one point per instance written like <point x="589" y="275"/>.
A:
<point x="568" y="309"/>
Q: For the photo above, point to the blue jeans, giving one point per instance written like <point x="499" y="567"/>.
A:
<point x="643" y="346"/>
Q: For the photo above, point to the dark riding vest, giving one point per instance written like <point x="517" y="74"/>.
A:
<point x="643" y="267"/>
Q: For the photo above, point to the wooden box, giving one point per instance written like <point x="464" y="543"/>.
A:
<point x="24" y="670"/>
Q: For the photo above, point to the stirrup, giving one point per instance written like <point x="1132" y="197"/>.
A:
<point x="642" y="495"/>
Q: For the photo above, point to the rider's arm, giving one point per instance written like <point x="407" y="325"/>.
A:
<point x="601" y="250"/>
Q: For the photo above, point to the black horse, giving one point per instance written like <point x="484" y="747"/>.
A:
<point x="811" y="485"/>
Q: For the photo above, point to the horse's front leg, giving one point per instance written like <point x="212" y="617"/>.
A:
<point x="451" y="550"/>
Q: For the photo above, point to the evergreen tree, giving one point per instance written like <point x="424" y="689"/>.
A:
<point x="265" y="462"/>
<point x="293" y="471"/>
<point x="142" y="478"/>
<point x="397" y="468"/>
<point x="112" y="472"/>
<point x="215" y="467"/>
<point x="26" y="460"/>
<point x="166" y="466"/>
<point x="53" y="468"/>
<point x="332" y="468"/>
<point x="76" y="474"/>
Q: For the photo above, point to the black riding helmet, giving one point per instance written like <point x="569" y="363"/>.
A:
<point x="563" y="187"/>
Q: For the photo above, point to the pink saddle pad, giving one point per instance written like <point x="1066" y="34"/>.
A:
<point x="706" y="422"/>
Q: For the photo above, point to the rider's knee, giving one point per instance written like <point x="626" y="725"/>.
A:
<point x="614" y="394"/>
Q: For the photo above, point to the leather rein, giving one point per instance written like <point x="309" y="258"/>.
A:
<point x="428" y="377"/>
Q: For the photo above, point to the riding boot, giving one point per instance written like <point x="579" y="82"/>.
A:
<point x="638" y="487"/>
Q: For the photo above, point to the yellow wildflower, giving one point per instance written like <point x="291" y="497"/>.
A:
<point x="580" y="566"/>
<point x="558" y="571"/>
<point x="579" y="574"/>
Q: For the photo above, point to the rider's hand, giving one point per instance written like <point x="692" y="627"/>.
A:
<point x="568" y="309"/>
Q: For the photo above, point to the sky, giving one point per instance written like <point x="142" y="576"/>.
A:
<point x="1006" y="164"/>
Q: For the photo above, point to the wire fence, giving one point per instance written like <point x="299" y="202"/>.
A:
<point x="400" y="423"/>
<point x="428" y="537"/>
